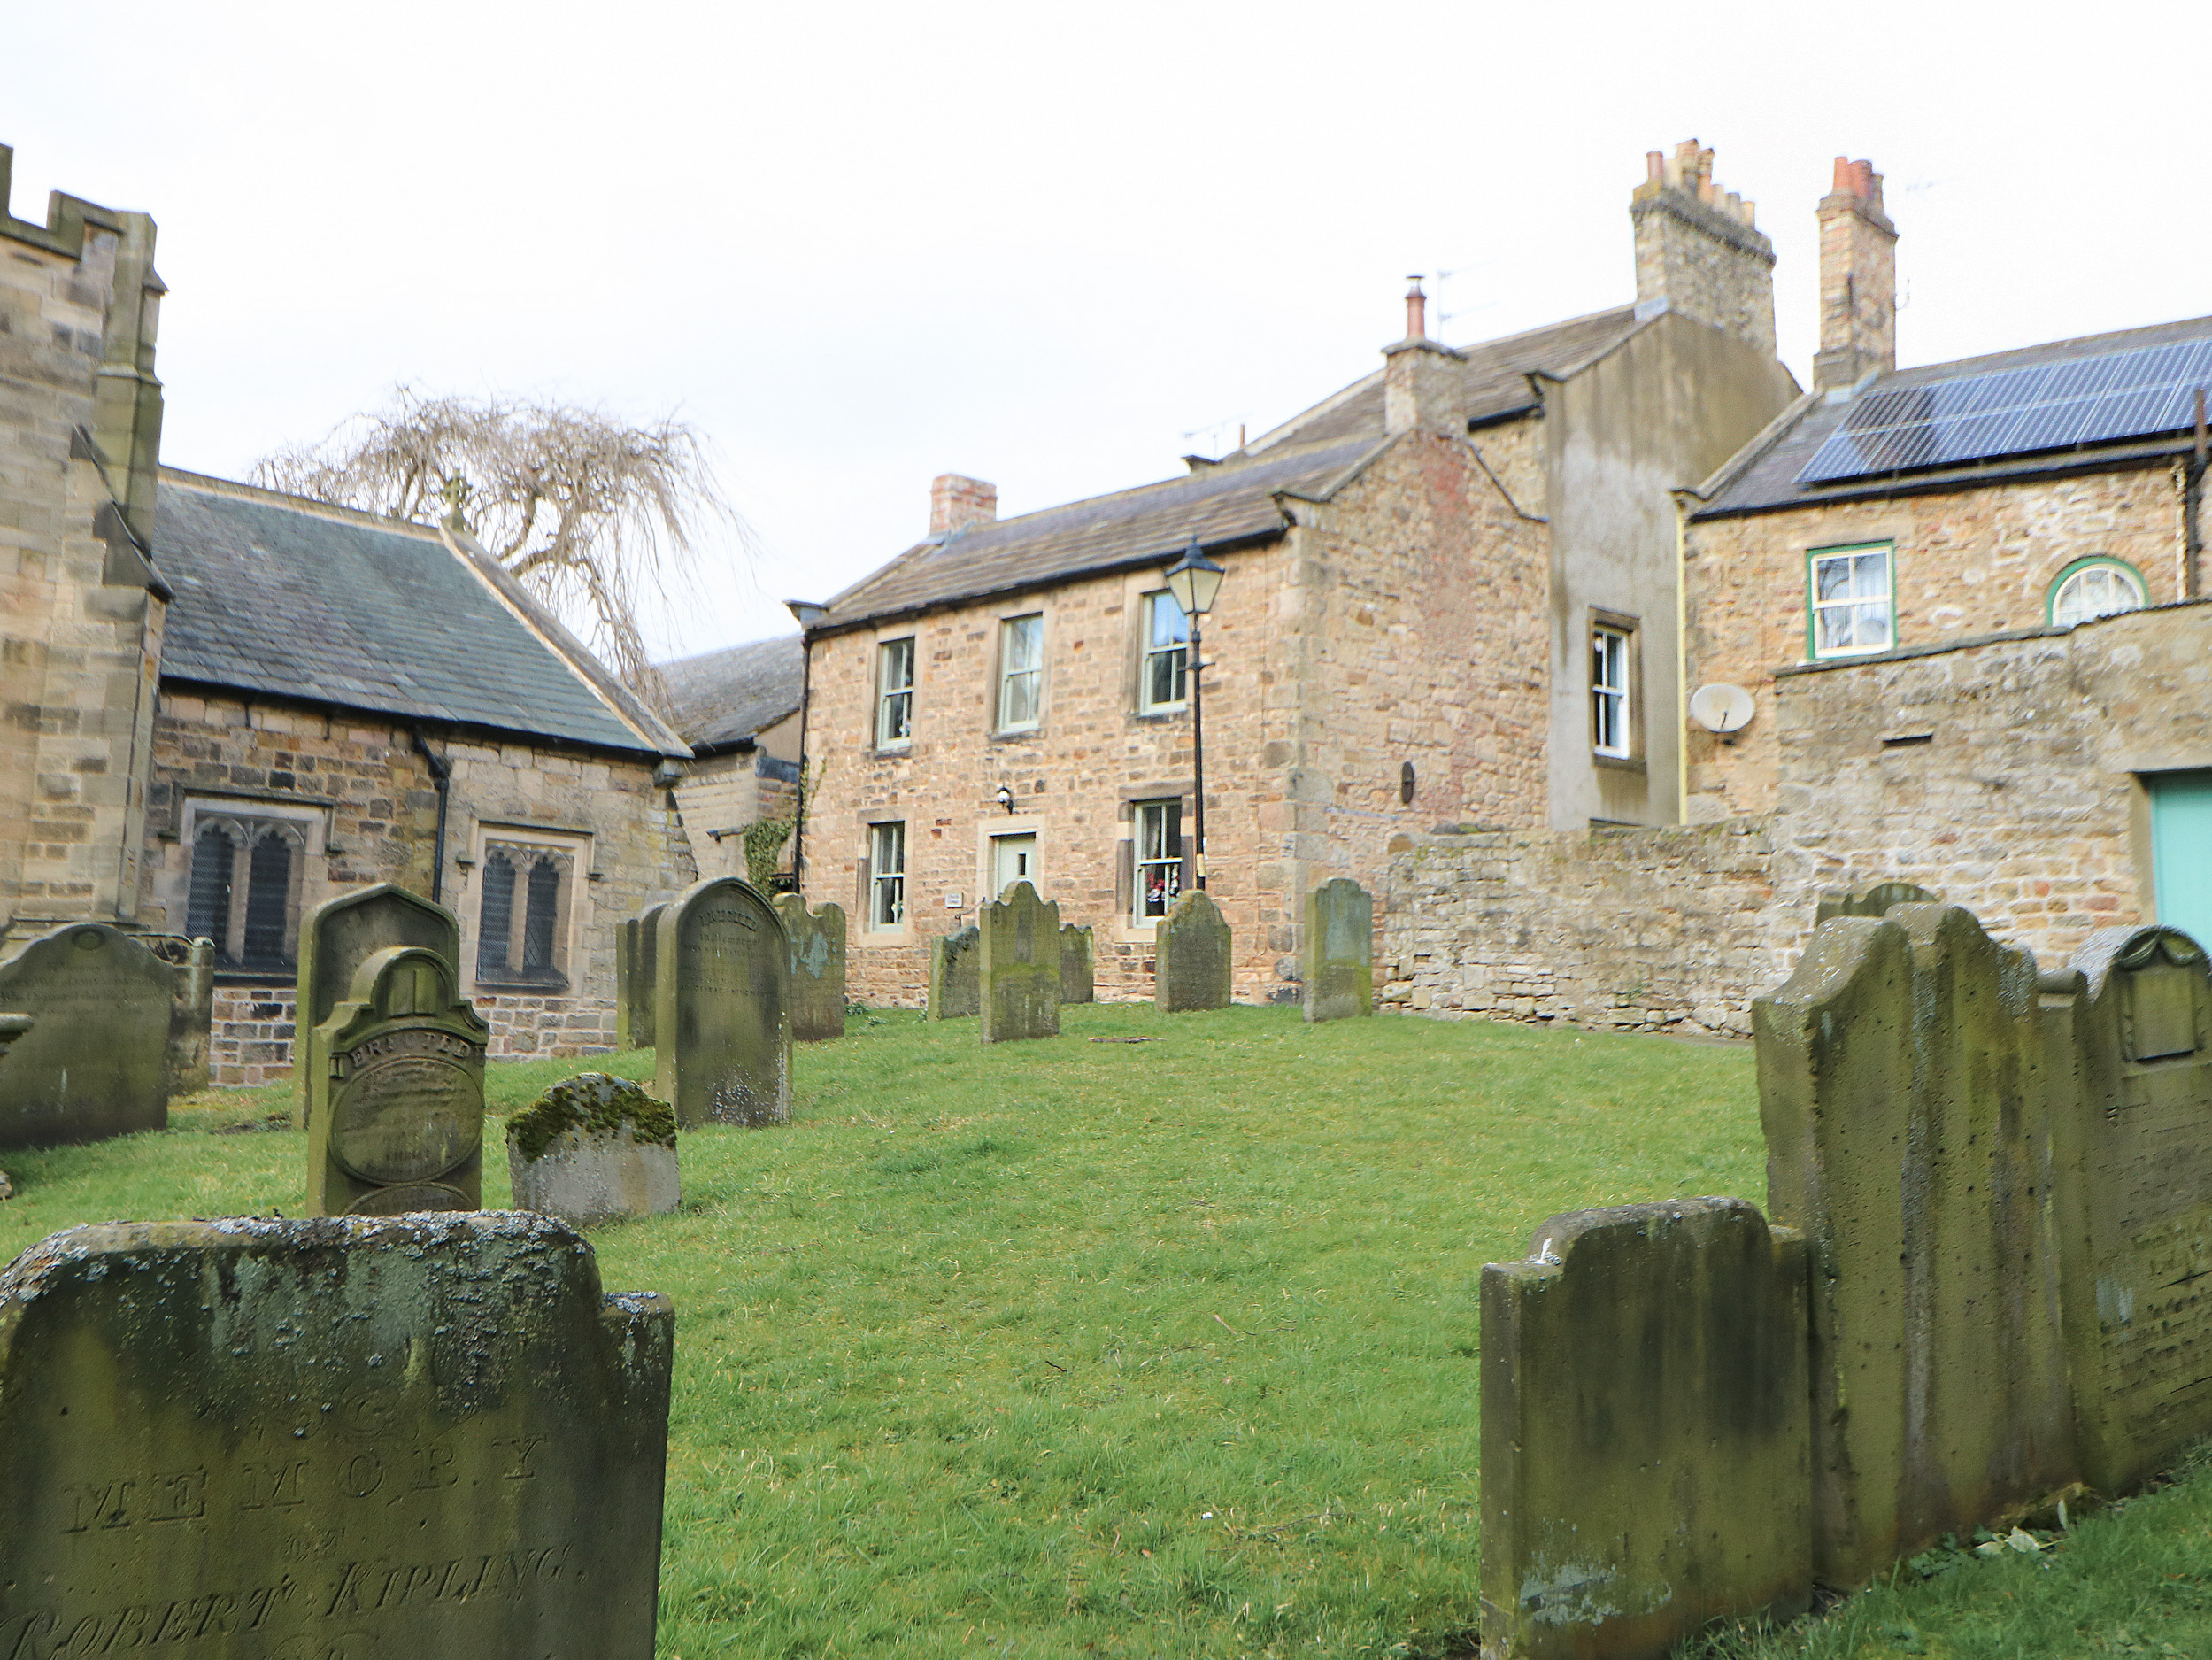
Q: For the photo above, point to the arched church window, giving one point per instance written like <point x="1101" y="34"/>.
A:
<point x="207" y="905"/>
<point x="494" y="918"/>
<point x="541" y="922"/>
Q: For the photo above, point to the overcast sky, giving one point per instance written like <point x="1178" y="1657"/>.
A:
<point x="1055" y="247"/>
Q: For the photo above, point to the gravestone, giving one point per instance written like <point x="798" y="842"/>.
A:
<point x="396" y="1114"/>
<point x="96" y="1063"/>
<point x="954" y="990"/>
<point x="1876" y="900"/>
<point x="644" y="997"/>
<point x="1191" y="956"/>
<point x="625" y="982"/>
<point x="1077" y="976"/>
<point x="334" y="940"/>
<point x="1645" y="1431"/>
<point x="1339" y="967"/>
<point x="594" y="1149"/>
<point x="722" y="1012"/>
<point x="1903" y="1092"/>
<point x="817" y="968"/>
<point x="191" y="1008"/>
<point x="419" y="1435"/>
<point x="2131" y="1027"/>
<point x="1017" y="967"/>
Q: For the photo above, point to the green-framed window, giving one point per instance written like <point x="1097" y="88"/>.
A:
<point x="2097" y="587"/>
<point x="1851" y="599"/>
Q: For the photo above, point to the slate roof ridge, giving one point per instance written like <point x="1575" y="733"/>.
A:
<point x="2041" y="352"/>
<point x="728" y="697"/>
<point x="1597" y="354"/>
<point x="308" y="504"/>
<point x="1336" y="400"/>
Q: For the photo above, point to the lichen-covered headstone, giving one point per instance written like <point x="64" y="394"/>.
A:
<point x="722" y="1019"/>
<point x="1077" y="980"/>
<point x="1645" y="1431"/>
<point x="1017" y="967"/>
<point x="1902" y="1090"/>
<point x="594" y="1149"/>
<point x="396" y="1115"/>
<point x="954" y="990"/>
<point x="1339" y="967"/>
<point x="420" y="1435"/>
<point x="97" y="1063"/>
<point x="1191" y="955"/>
<point x="334" y="940"/>
<point x="2131" y="1026"/>
<point x="817" y="968"/>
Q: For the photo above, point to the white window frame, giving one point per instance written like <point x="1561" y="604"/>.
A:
<point x="2118" y="570"/>
<point x="1021" y="673"/>
<point x="887" y="885"/>
<point x="1155" y="649"/>
<point x="895" y="696"/>
<point x="1154" y="814"/>
<point x="1612" y="705"/>
<point x="1849" y="605"/>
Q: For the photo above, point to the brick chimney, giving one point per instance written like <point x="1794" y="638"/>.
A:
<point x="1858" y="280"/>
<point x="1424" y="382"/>
<point x="1697" y="249"/>
<point x="956" y="503"/>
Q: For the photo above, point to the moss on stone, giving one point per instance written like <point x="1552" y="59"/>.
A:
<point x="595" y="1104"/>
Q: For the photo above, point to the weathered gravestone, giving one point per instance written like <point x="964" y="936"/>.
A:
<point x="96" y="1062"/>
<point x="1645" y="1431"/>
<point x="954" y="990"/>
<point x="1903" y="1094"/>
<point x="1192" y="955"/>
<point x="1877" y="900"/>
<point x="2131" y="1029"/>
<point x="191" y="1008"/>
<point x="1077" y="979"/>
<point x="1017" y="967"/>
<point x="1339" y="967"/>
<point x="334" y="940"/>
<point x="723" y="1017"/>
<point x="424" y="1435"/>
<point x="396" y="1113"/>
<point x="640" y="963"/>
<point x="592" y="1149"/>
<point x="817" y="968"/>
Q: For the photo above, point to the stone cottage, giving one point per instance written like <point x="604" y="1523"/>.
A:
<point x="1450" y="594"/>
<point x="227" y="704"/>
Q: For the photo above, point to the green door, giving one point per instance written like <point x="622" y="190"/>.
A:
<point x="2181" y="851"/>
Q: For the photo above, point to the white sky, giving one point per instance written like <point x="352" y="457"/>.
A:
<point x="1051" y="246"/>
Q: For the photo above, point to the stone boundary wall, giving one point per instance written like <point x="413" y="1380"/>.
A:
<point x="250" y="1042"/>
<point x="1634" y="930"/>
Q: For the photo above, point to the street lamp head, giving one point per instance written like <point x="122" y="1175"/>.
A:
<point x="1194" y="580"/>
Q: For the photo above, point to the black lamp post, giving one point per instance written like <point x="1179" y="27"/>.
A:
<point x="1194" y="580"/>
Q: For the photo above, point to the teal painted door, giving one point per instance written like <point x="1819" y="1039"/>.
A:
<point x="2181" y="851"/>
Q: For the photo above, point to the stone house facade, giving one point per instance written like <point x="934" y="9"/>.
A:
<point x="1425" y="573"/>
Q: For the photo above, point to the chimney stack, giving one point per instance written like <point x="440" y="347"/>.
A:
<point x="1424" y="384"/>
<point x="1697" y="250"/>
<point x="956" y="503"/>
<point x="1416" y="310"/>
<point x="1858" y="280"/>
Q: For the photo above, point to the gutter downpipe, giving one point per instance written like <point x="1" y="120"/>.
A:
<point x="442" y="781"/>
<point x="2193" y="513"/>
<point x="1682" y="656"/>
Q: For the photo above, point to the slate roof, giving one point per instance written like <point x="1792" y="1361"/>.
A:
<point x="295" y="600"/>
<point x="1762" y="477"/>
<point x="728" y="697"/>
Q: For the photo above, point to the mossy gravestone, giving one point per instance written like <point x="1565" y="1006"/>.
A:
<point x="817" y="968"/>
<point x="396" y="1115"/>
<point x="423" y="1435"/>
<point x="722" y="1014"/>
<point x="594" y="1149"/>
<point x="96" y="1063"/>
<point x="1191" y="956"/>
<point x="1017" y="967"/>
<point x="954" y="990"/>
<point x="1644" y="1429"/>
<point x="334" y="940"/>
<point x="1077" y="977"/>
<point x="1339" y="966"/>
<point x="1903" y="1092"/>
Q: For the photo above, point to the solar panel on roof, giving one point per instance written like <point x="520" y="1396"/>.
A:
<point x="2017" y="411"/>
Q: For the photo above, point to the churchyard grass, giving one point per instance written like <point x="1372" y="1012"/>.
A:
<point x="1138" y="1348"/>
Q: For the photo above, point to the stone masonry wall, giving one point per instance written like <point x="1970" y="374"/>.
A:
<point x="1967" y="563"/>
<point x="1638" y="930"/>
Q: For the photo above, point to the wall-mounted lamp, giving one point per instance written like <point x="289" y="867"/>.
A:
<point x="1006" y="798"/>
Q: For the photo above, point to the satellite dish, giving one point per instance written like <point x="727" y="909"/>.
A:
<point x="1721" y="707"/>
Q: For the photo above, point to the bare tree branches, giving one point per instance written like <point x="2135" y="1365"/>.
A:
<point x="589" y="513"/>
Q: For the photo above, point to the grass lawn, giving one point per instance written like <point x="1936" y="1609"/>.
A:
<point x="1156" y="1347"/>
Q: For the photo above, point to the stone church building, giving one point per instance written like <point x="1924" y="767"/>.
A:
<point x="223" y="705"/>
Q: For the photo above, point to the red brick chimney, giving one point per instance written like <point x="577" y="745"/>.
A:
<point x="1699" y="250"/>
<point x="1858" y="279"/>
<point x="956" y="503"/>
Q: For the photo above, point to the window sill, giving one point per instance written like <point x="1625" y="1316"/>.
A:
<point x="901" y="751"/>
<point x="902" y="935"/>
<point x="1164" y="712"/>
<point x="1618" y="763"/>
<point x="555" y="987"/>
<point x="1015" y="734"/>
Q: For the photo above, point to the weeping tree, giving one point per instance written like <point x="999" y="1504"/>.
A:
<point x="590" y="514"/>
